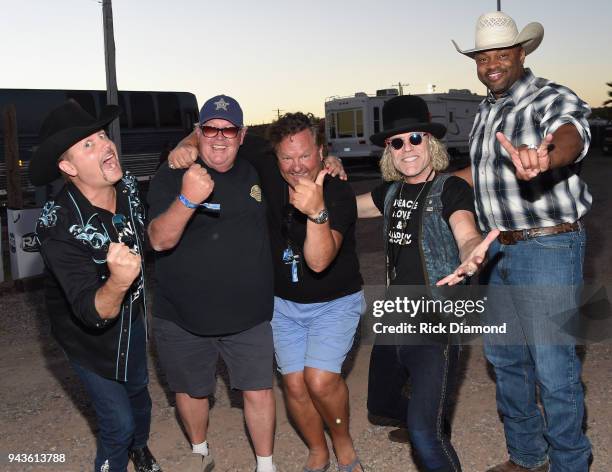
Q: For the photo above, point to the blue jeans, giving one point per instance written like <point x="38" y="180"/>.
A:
<point x="123" y="409"/>
<point x="433" y="373"/>
<point x="534" y="287"/>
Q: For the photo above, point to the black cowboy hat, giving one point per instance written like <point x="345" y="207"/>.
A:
<point x="63" y="127"/>
<point x="406" y="113"/>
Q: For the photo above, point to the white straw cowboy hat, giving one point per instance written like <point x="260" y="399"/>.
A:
<point x="497" y="30"/>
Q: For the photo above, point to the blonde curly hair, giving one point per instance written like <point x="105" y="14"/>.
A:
<point x="437" y="153"/>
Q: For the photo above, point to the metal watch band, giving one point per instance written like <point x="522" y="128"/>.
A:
<point x="321" y="218"/>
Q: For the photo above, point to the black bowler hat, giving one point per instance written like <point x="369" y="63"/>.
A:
<point x="63" y="127"/>
<point x="406" y="113"/>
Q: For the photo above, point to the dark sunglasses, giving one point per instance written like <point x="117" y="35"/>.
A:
<point x="212" y="132"/>
<point x="414" y="139"/>
<point x="120" y="225"/>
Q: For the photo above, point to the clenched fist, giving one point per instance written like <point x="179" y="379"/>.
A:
<point x="124" y="265"/>
<point x="182" y="156"/>
<point x="197" y="184"/>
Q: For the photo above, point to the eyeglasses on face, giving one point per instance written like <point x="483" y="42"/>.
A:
<point x="398" y="143"/>
<point x="211" y="131"/>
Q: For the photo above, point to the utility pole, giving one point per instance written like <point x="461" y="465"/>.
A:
<point x="498" y="5"/>
<point x="11" y="157"/>
<point x="112" y="97"/>
<point x="278" y="112"/>
<point x="400" y="86"/>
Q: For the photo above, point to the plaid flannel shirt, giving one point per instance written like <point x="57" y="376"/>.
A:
<point x="526" y="113"/>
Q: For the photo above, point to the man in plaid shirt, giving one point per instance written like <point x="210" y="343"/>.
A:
<point x="527" y="140"/>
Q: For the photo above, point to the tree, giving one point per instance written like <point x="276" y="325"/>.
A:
<point x="608" y="102"/>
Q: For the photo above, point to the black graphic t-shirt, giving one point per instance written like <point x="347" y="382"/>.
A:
<point x="403" y="235"/>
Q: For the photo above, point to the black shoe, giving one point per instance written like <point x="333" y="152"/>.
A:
<point x="143" y="460"/>
<point x="377" y="420"/>
<point x="399" y="435"/>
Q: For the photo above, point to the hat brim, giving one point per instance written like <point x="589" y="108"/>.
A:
<point x="43" y="166"/>
<point x="530" y="38"/>
<point x="223" y="117"/>
<point x="438" y="130"/>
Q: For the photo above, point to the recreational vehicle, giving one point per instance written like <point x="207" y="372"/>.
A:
<point x="350" y="121"/>
<point x="151" y="123"/>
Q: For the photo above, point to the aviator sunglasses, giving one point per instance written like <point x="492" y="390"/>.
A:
<point x="212" y="132"/>
<point x="414" y="139"/>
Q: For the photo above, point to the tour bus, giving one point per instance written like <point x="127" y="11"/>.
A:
<point x="151" y="123"/>
<point x="350" y="121"/>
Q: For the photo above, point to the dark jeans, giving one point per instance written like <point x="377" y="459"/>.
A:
<point x="433" y="373"/>
<point x="123" y="409"/>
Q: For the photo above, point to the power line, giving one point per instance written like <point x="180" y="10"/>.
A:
<point x="400" y="87"/>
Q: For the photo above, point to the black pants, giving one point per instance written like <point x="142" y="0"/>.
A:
<point x="432" y="374"/>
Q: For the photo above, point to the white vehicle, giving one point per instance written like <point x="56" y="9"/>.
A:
<point x="350" y="121"/>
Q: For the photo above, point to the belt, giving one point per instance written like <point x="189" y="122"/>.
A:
<point x="511" y="237"/>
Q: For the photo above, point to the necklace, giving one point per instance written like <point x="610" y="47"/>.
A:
<point x="403" y="224"/>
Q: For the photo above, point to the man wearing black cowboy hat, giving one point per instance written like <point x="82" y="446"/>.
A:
<point x="91" y="238"/>
<point x="527" y="142"/>
<point x="431" y="239"/>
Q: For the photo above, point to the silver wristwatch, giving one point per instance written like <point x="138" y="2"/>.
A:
<point x="321" y="218"/>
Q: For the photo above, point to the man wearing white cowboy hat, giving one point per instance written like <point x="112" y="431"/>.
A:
<point x="91" y="237"/>
<point x="527" y="139"/>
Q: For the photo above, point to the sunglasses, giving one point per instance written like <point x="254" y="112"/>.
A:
<point x="211" y="131"/>
<point x="398" y="143"/>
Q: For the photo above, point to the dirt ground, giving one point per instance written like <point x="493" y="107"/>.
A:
<point x="43" y="409"/>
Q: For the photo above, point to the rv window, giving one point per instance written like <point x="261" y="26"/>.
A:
<point x="346" y="124"/>
<point x="359" y="123"/>
<point x="85" y="99"/>
<point x="169" y="113"/>
<point x="450" y="117"/>
<point x="143" y="112"/>
<point x="376" y="120"/>
<point x="331" y="119"/>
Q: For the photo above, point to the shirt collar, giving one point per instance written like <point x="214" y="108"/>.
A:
<point x="517" y="90"/>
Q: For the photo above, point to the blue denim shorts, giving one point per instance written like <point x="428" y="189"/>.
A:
<point x="318" y="335"/>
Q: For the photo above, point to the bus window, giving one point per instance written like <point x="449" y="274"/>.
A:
<point x="359" y="122"/>
<point x="376" y="120"/>
<point x="346" y="124"/>
<point x="123" y="122"/>
<point x="169" y="113"/>
<point x="85" y="99"/>
<point x="143" y="111"/>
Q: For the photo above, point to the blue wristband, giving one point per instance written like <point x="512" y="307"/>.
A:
<point x="187" y="203"/>
<point x="209" y="206"/>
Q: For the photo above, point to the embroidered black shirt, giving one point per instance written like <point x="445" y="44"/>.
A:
<point x="74" y="238"/>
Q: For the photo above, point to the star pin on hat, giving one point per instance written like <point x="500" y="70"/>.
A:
<point x="222" y="107"/>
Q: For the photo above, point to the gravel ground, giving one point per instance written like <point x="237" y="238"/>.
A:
<point x="44" y="410"/>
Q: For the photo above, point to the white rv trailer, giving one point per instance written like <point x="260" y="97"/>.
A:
<point x="350" y="121"/>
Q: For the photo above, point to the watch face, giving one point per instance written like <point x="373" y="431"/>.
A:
<point x="322" y="217"/>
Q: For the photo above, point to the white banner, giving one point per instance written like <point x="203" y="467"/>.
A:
<point x="24" y="251"/>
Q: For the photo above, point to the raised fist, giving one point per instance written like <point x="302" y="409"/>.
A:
<point x="123" y="264"/>
<point x="197" y="184"/>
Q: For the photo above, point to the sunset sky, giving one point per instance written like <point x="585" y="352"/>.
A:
<point x="291" y="55"/>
